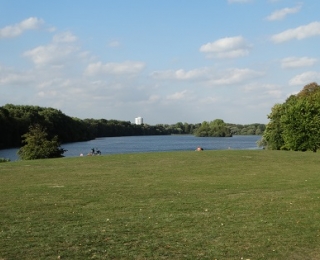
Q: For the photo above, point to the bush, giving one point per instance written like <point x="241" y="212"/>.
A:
<point x="4" y="160"/>
<point x="37" y="145"/>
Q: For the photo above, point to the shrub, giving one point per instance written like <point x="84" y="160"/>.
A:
<point x="4" y="160"/>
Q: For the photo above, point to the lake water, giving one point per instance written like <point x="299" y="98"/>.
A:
<point x="138" y="144"/>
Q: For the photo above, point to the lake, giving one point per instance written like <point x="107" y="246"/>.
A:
<point x="162" y="143"/>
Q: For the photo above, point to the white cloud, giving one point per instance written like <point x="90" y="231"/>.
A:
<point x="10" y="31"/>
<point x="234" y="76"/>
<point x="10" y="77"/>
<point x="153" y="99"/>
<point x="258" y="87"/>
<point x="114" y="44"/>
<point x="281" y="14"/>
<point x="296" y="62"/>
<point x="57" y="53"/>
<point x="178" y="95"/>
<point x="209" y="76"/>
<point x="229" y="47"/>
<point x="305" y="78"/>
<point x="127" y="67"/>
<point x="66" y="37"/>
<point x="276" y="93"/>
<point x="181" y="74"/>
<point x="163" y="75"/>
<point x="52" y="54"/>
<point x="266" y="94"/>
<point x="210" y="100"/>
<point x="191" y="74"/>
<point x="301" y="32"/>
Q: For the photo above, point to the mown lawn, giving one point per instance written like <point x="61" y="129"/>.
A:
<point x="251" y="204"/>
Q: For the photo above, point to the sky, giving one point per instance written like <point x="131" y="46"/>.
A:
<point x="166" y="61"/>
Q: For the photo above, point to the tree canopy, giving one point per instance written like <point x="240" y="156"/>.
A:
<point x="294" y="125"/>
<point x="216" y="128"/>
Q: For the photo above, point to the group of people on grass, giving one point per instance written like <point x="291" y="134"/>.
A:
<point x="93" y="152"/>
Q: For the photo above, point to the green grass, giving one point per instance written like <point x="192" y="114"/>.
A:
<point x="176" y="205"/>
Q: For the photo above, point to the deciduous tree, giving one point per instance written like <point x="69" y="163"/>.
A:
<point x="300" y="124"/>
<point x="273" y="132"/>
<point x="216" y="128"/>
<point x="38" y="146"/>
<point x="294" y="125"/>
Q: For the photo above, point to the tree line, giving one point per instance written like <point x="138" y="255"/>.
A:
<point x="15" y="121"/>
<point x="218" y="128"/>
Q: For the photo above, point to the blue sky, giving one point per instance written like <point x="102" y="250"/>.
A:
<point x="167" y="61"/>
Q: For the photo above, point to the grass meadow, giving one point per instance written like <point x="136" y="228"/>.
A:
<point x="231" y="204"/>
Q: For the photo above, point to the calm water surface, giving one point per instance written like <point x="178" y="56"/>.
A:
<point x="137" y="144"/>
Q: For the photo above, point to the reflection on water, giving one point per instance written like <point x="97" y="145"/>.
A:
<point x="136" y="144"/>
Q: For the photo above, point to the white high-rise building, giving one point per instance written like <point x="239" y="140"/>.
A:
<point x="138" y="120"/>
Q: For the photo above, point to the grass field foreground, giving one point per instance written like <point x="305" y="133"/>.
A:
<point x="251" y="204"/>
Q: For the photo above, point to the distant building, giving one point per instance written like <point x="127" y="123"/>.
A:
<point x="138" y="120"/>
